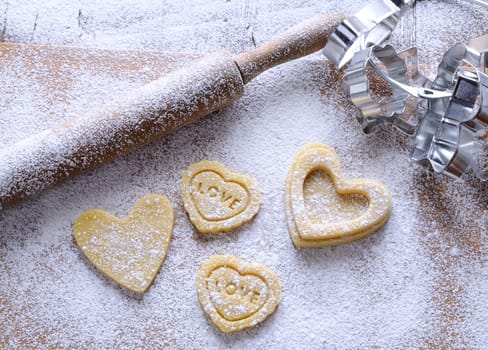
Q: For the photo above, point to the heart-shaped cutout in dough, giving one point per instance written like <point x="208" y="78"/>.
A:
<point x="236" y="294"/>
<point x="130" y="251"/>
<point x="353" y="209"/>
<point x="217" y="199"/>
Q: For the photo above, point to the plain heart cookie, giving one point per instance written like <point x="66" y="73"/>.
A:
<point x="216" y="199"/>
<point x="237" y="294"/>
<point x="130" y="251"/>
<point x="323" y="208"/>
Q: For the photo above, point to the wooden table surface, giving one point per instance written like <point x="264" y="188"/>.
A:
<point x="445" y="245"/>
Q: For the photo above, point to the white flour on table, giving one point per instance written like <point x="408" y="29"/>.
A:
<point x="377" y="292"/>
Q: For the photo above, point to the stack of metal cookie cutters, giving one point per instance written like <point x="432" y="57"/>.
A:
<point x="451" y="112"/>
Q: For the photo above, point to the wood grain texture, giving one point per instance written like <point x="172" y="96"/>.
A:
<point x="441" y="228"/>
<point x="141" y="116"/>
<point x="450" y="216"/>
<point x="303" y="39"/>
<point x="105" y="132"/>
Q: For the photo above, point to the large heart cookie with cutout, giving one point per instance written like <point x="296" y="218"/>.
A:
<point x="236" y="294"/>
<point x="130" y="251"/>
<point x="217" y="199"/>
<point x="323" y="208"/>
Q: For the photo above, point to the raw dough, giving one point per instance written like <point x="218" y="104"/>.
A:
<point x="324" y="209"/>
<point x="237" y="294"/>
<point x="130" y="251"/>
<point x="217" y="199"/>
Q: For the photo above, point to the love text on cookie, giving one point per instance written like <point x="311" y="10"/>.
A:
<point x="217" y="199"/>
<point x="236" y="294"/>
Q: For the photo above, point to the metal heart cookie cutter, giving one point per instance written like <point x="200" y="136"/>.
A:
<point x="375" y="110"/>
<point x="450" y="125"/>
<point x="371" y="25"/>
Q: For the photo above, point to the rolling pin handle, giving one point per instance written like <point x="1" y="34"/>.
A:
<point x="303" y="39"/>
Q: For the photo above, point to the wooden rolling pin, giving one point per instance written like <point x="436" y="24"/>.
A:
<point x="147" y="113"/>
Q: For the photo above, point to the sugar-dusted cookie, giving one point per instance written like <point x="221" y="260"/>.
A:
<point x="237" y="294"/>
<point x="130" y="251"/>
<point x="323" y="208"/>
<point x="217" y="199"/>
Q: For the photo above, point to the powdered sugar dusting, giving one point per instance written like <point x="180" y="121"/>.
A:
<point x="106" y="131"/>
<point x="418" y="282"/>
<point x="129" y="251"/>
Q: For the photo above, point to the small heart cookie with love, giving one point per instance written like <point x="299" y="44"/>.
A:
<point x="237" y="294"/>
<point x="129" y="251"/>
<point x="216" y="199"/>
<point x="325" y="209"/>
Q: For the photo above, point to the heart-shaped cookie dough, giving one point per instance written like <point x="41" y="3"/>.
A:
<point x="352" y="210"/>
<point x="130" y="251"/>
<point x="217" y="199"/>
<point x="236" y="294"/>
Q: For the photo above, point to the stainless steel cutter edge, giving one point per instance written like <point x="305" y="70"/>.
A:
<point x="445" y="138"/>
<point x="369" y="26"/>
<point x="375" y="111"/>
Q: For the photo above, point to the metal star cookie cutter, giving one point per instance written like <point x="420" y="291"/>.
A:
<point x="445" y="139"/>
<point x="369" y="26"/>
